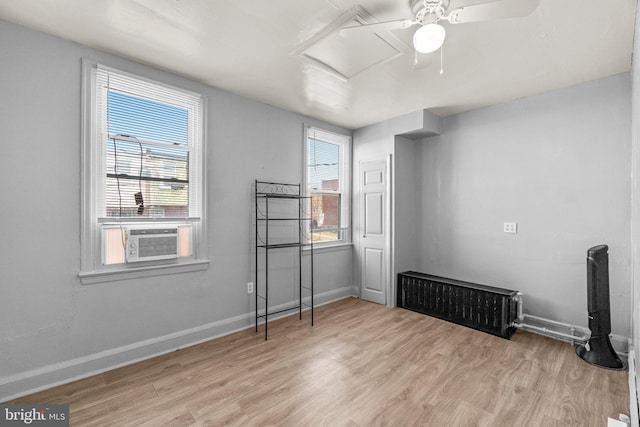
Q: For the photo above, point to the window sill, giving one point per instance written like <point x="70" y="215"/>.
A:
<point x="102" y="276"/>
<point x="332" y="247"/>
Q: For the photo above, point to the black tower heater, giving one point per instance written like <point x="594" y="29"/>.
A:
<point x="598" y="350"/>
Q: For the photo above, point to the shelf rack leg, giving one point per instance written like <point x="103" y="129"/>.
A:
<point x="300" y="236"/>
<point x="266" y="270"/>
<point x="311" y="261"/>
<point x="255" y="290"/>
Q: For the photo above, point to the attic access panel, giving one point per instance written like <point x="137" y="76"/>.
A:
<point x="346" y="56"/>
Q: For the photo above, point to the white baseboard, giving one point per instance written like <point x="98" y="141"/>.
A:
<point x="620" y="344"/>
<point x="39" y="379"/>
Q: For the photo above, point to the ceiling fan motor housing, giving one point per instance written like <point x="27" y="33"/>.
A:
<point x="422" y="9"/>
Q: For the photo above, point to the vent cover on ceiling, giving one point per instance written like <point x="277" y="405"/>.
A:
<point x="346" y="56"/>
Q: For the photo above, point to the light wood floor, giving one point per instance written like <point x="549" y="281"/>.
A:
<point x="361" y="365"/>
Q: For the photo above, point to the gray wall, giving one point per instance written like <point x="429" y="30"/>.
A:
<point x="52" y="328"/>
<point x="407" y="206"/>
<point x="558" y="164"/>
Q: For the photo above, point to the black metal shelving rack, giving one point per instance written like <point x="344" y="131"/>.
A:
<point x="270" y="191"/>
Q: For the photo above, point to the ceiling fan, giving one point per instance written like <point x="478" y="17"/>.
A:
<point x="430" y="35"/>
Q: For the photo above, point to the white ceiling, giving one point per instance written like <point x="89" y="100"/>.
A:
<point x="258" y="49"/>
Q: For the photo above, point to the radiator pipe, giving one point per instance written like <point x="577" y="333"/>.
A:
<point x="545" y="331"/>
<point x="520" y="300"/>
<point x="520" y="324"/>
<point x="554" y="322"/>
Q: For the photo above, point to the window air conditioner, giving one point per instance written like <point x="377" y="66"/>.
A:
<point x="146" y="243"/>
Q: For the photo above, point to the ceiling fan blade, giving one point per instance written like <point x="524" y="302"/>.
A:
<point x="501" y="9"/>
<point x="377" y="26"/>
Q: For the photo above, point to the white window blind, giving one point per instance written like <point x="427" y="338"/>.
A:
<point x="323" y="165"/>
<point x="148" y="134"/>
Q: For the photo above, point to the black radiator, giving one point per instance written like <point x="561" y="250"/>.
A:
<point x="480" y="307"/>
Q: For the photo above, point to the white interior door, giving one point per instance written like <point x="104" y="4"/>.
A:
<point x="373" y="241"/>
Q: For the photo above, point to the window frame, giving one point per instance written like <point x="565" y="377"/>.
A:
<point x="92" y="269"/>
<point x="345" y="172"/>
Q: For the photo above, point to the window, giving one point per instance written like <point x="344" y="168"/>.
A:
<point x="327" y="181"/>
<point x="143" y="174"/>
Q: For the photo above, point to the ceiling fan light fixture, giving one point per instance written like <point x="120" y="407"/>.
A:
<point x="429" y="38"/>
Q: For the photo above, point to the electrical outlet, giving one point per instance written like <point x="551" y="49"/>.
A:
<point x="511" y="227"/>
<point x="250" y="287"/>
